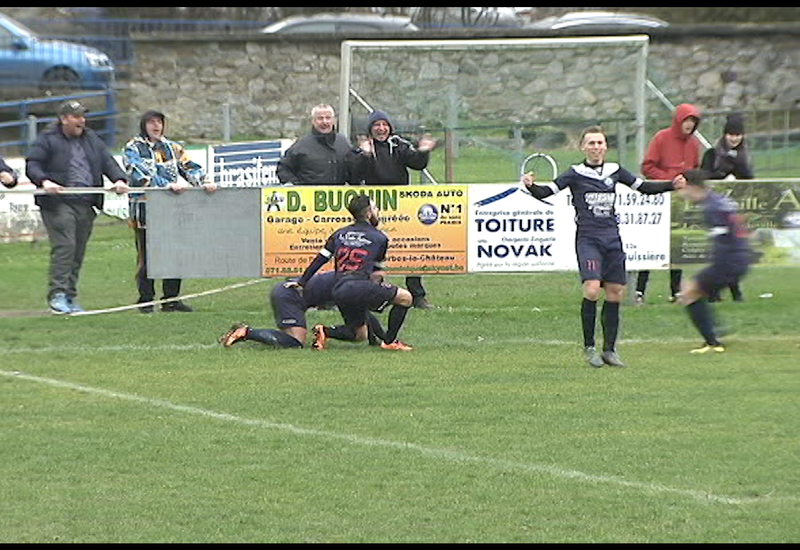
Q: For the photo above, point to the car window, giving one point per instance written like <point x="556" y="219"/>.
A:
<point x="311" y="26"/>
<point x="357" y="27"/>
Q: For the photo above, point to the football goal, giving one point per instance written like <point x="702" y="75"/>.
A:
<point x="539" y="91"/>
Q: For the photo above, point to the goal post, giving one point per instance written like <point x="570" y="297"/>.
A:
<point x="448" y="83"/>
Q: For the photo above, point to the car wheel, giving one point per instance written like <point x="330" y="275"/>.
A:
<point x="60" y="79"/>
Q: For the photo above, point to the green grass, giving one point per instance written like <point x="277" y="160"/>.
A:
<point x="124" y="427"/>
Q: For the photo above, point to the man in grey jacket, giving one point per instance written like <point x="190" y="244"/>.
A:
<point x="70" y="155"/>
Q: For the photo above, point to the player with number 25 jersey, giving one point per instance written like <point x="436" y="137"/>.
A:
<point x="359" y="250"/>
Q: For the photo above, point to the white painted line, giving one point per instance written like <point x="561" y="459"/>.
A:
<point x="441" y="454"/>
<point x="477" y="342"/>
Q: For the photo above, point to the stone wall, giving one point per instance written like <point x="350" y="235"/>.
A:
<point x="271" y="82"/>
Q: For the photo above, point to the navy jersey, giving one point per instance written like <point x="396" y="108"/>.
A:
<point x="729" y="236"/>
<point x="317" y="293"/>
<point x="358" y="250"/>
<point x="593" y="193"/>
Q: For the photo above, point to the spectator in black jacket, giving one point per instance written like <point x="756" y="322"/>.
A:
<point x="384" y="160"/>
<point x="320" y="158"/>
<point x="729" y="159"/>
<point x="730" y="156"/>
<point x="70" y="155"/>
<point x="8" y="176"/>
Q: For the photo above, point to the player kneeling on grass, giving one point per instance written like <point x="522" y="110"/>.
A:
<point x="289" y="306"/>
<point x="359" y="250"/>
<point x="730" y="255"/>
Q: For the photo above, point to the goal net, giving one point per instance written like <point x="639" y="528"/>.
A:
<point x="506" y="97"/>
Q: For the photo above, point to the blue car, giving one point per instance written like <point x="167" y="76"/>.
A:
<point x="27" y="60"/>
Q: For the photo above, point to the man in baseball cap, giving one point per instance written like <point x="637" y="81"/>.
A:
<point x="72" y="107"/>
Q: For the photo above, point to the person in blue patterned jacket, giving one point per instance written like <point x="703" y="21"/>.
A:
<point x="152" y="160"/>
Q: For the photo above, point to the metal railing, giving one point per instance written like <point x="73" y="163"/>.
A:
<point x="29" y="124"/>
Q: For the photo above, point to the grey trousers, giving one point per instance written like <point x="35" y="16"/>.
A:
<point x="69" y="225"/>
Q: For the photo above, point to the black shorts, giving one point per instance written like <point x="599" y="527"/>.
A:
<point x="355" y="298"/>
<point x="288" y="307"/>
<point x="601" y="258"/>
<point x="718" y="276"/>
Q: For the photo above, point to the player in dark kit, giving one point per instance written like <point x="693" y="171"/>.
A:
<point x="289" y="307"/>
<point x="731" y="256"/>
<point x="601" y="257"/>
<point x="359" y="250"/>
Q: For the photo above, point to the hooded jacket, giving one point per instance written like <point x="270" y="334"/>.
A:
<point x="156" y="164"/>
<point x="671" y="152"/>
<point x="390" y="159"/>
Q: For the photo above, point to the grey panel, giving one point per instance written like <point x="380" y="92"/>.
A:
<point x="198" y="235"/>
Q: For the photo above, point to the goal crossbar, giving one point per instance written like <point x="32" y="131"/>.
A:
<point x="640" y="78"/>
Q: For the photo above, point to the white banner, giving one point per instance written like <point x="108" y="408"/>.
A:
<point x="511" y="231"/>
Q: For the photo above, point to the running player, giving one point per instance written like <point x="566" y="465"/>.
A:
<point x="731" y="256"/>
<point x="601" y="257"/>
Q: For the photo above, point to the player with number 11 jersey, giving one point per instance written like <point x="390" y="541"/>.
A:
<point x="598" y="246"/>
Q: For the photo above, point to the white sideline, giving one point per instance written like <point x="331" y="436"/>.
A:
<point x="443" y="454"/>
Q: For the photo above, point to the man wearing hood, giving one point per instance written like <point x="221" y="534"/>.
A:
<point x="320" y="158"/>
<point x="384" y="160"/>
<point x="152" y="160"/>
<point x="69" y="155"/>
<point x="671" y="152"/>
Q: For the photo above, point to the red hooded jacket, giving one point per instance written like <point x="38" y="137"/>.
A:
<point x="671" y="152"/>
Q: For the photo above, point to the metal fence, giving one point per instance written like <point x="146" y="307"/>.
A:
<point x="113" y="36"/>
<point x="28" y="119"/>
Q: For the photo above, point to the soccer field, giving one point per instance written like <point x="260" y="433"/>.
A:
<point x="122" y="427"/>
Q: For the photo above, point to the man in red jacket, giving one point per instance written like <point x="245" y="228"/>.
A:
<point x="671" y="152"/>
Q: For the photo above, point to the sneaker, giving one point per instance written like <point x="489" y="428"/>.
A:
<point x="74" y="306"/>
<point x="176" y="306"/>
<point x="592" y="357"/>
<point x="59" y="305"/>
<point x="236" y="333"/>
<point x="612" y="359"/>
<point x="707" y="348"/>
<point x="146" y="309"/>
<point x="639" y="299"/>
<point x="675" y="297"/>
<point x="319" y="337"/>
<point x="422" y="303"/>
<point x="397" y="345"/>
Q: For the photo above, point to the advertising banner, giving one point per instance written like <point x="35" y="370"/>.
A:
<point x="246" y="164"/>
<point x="20" y="220"/>
<point x="770" y="210"/>
<point x="426" y="225"/>
<point x="511" y="231"/>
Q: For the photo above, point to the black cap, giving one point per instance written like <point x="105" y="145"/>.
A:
<point x="72" y="107"/>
